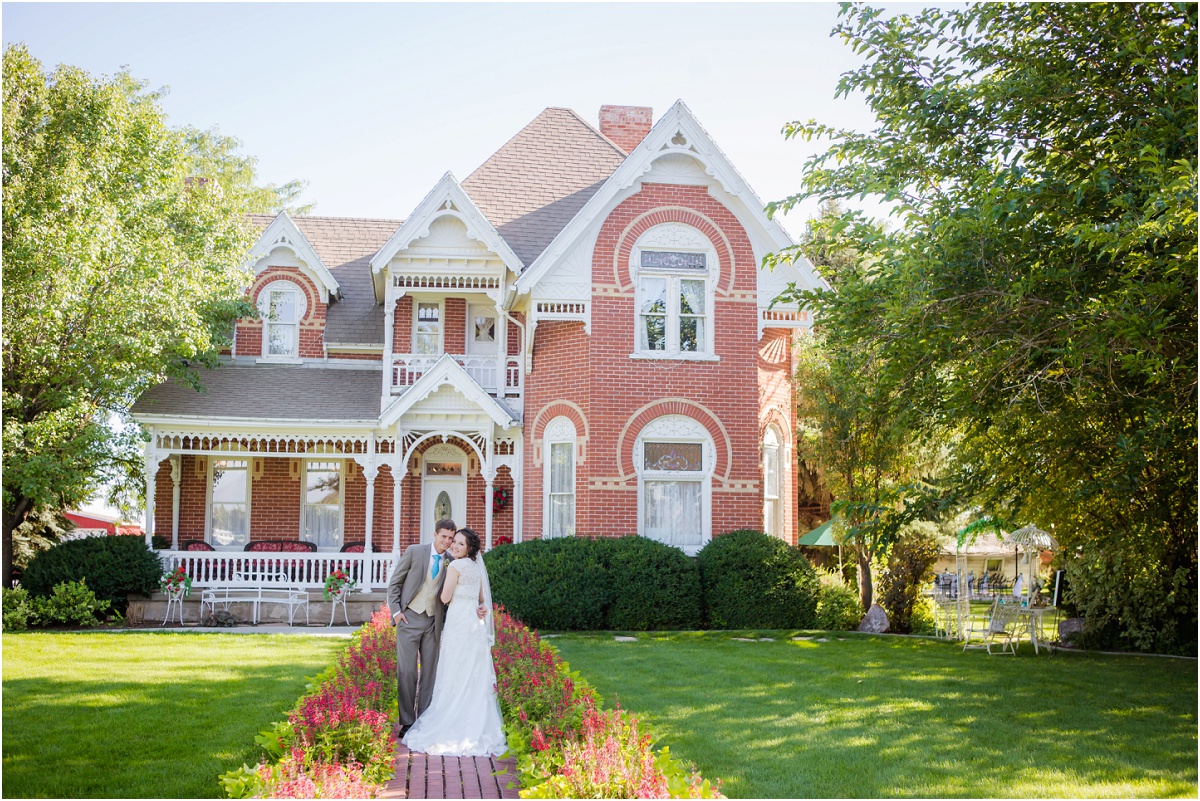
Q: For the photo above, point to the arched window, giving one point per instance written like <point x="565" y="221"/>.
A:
<point x="674" y="457"/>
<point x="772" y="482"/>
<point x="282" y="306"/>
<point x="675" y="270"/>
<point x="558" y="482"/>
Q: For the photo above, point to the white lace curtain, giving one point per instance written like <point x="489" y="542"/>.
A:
<point x="673" y="512"/>
<point x="562" y="491"/>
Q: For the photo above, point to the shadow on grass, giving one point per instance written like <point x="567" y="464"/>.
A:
<point x="876" y="717"/>
<point x="137" y="737"/>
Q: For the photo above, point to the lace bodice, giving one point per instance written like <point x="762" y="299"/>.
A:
<point x="469" y="579"/>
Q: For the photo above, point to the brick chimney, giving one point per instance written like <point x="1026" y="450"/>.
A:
<point x="626" y="126"/>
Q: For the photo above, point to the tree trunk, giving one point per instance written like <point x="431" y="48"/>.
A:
<point x="12" y="519"/>
<point x="865" y="586"/>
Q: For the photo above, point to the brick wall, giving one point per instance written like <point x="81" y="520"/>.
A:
<point x="776" y="402"/>
<point x="275" y="499"/>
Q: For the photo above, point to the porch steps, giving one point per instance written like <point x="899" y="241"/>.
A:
<point x="426" y="776"/>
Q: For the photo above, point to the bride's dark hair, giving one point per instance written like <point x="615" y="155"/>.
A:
<point x="473" y="543"/>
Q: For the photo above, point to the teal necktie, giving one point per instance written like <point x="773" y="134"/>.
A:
<point x="437" y="565"/>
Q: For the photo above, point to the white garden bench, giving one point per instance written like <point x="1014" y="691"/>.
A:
<point x="255" y="594"/>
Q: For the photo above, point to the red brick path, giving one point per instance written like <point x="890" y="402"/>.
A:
<point x="425" y="776"/>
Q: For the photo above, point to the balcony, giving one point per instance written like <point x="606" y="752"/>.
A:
<point x="486" y="370"/>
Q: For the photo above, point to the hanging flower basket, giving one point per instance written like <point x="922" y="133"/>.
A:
<point x="500" y="498"/>
<point x="176" y="584"/>
<point x="337" y="583"/>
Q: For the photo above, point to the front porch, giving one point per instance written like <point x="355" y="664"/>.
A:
<point x="359" y="608"/>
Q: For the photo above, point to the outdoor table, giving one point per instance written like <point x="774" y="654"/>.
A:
<point x="1031" y="620"/>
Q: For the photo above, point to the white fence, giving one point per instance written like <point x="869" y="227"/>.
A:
<point x="407" y="368"/>
<point x="370" y="571"/>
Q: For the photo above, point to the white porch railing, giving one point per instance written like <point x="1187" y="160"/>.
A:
<point x="308" y="570"/>
<point x="408" y="367"/>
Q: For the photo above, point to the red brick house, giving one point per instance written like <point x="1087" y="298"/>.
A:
<point x="575" y="340"/>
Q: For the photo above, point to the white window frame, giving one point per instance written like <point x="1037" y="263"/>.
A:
<point x="304" y="504"/>
<point x="264" y="304"/>
<point x="677" y="428"/>
<point x="676" y="238"/>
<point x="208" y="504"/>
<point x="416" y="319"/>
<point x="469" y="342"/>
<point x="559" y="431"/>
<point x="773" y="452"/>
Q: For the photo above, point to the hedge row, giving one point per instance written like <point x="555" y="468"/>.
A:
<point x="745" y="579"/>
<point x="113" y="567"/>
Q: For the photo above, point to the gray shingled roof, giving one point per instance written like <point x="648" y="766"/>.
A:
<point x="267" y="391"/>
<point x="539" y="180"/>
<point x="346" y="245"/>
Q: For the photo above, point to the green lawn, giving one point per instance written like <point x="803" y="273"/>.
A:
<point x="139" y="715"/>
<point x="862" y="716"/>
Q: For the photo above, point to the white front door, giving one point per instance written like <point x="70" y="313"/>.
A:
<point x="443" y="488"/>
<point x="482" y="330"/>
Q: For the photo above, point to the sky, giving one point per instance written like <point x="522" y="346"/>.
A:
<point x="371" y="103"/>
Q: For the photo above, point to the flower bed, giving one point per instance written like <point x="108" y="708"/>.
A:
<point x="338" y="740"/>
<point x="567" y="747"/>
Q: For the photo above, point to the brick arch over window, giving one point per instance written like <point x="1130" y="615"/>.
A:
<point x="560" y="408"/>
<point x="627" y="439"/>
<point x="775" y="416"/>
<point x="629" y="236"/>
<point x="293" y="275"/>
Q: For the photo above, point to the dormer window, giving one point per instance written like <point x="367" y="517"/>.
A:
<point x="427" y="337"/>
<point x="282" y="306"/>
<point x="674" y="293"/>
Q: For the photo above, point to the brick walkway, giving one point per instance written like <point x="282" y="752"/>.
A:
<point x="425" y="776"/>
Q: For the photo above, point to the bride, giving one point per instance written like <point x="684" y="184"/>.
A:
<point x="463" y="718"/>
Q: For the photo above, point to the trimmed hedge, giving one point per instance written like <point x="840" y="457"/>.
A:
<point x="113" y="567"/>
<point x="556" y="584"/>
<point x="752" y="580"/>
<point x="577" y="583"/>
<point x="655" y="586"/>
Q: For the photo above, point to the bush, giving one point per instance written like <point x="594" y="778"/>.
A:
<point x="838" y="607"/>
<point x="17" y="608"/>
<point x="755" y="581"/>
<point x="910" y="567"/>
<point x="557" y="584"/>
<point x="71" y="602"/>
<point x="655" y="586"/>
<point x="114" y="567"/>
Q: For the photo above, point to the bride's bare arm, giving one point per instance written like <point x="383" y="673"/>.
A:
<point x="450" y="583"/>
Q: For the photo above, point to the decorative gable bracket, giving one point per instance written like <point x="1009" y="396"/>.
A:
<point x="282" y="234"/>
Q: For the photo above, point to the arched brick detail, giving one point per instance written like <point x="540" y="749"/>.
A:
<point x="572" y="412"/>
<point x="677" y="214"/>
<point x="687" y="408"/>
<point x="293" y="274"/>
<point x="249" y="338"/>
<point x="774" y="415"/>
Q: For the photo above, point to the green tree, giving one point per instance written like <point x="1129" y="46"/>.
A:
<point x="1041" y="284"/>
<point x="119" y="270"/>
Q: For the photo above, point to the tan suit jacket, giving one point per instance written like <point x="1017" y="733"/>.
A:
<point x="409" y="574"/>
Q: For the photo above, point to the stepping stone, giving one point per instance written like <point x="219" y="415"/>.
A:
<point x="822" y="639"/>
<point x="549" y="636"/>
<point x="801" y="638"/>
<point x="625" y="639"/>
<point x="744" y="639"/>
<point x="766" y="639"/>
<point x="841" y="639"/>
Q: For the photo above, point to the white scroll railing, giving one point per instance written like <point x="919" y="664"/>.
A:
<point x="408" y="367"/>
<point x="370" y="571"/>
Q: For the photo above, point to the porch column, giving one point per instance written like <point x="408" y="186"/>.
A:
<point x="176" y="479"/>
<point x="519" y="491"/>
<point x="501" y="352"/>
<point x="399" y="468"/>
<point x="487" y="509"/>
<point x="369" y="473"/>
<point x="150" y="469"/>
<point x="389" y="319"/>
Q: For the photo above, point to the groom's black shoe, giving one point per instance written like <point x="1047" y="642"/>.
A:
<point x="401" y="731"/>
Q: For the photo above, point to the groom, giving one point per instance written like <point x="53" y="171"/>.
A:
<point x="414" y="598"/>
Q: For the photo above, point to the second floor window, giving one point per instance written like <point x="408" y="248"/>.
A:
<point x="428" y="335"/>
<point x="282" y="305"/>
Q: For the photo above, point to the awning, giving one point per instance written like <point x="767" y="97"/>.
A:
<point x="821" y="535"/>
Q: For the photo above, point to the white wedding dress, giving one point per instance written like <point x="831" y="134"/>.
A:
<point x="463" y="717"/>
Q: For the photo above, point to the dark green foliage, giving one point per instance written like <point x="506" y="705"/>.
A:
<point x="559" y="584"/>
<point x="838" y="608"/>
<point x="910" y="568"/>
<point x="655" y="586"/>
<point x="113" y="567"/>
<point x="754" y="581"/>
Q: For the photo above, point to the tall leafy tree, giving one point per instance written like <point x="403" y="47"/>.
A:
<point x="121" y="239"/>
<point x="1041" y="283"/>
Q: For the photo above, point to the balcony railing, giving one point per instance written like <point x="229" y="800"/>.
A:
<point x="408" y="367"/>
<point x="370" y="571"/>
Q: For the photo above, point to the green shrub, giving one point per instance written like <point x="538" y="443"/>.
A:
<point x="754" y="581"/>
<point x="559" y="584"/>
<point x="910" y="567"/>
<point x="654" y="586"/>
<point x="114" y="567"/>
<point x="838" y="607"/>
<point x="17" y="608"/>
<point x="924" y="620"/>
<point x="71" y="602"/>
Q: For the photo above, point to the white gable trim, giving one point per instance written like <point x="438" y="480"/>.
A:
<point x="446" y="198"/>
<point x="283" y="233"/>
<point x="677" y="132"/>
<point x="446" y="371"/>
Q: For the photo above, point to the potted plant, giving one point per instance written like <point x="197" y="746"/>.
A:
<point x="176" y="583"/>
<point x="337" y="583"/>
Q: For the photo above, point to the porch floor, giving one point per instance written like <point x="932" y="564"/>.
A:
<point x="425" y="776"/>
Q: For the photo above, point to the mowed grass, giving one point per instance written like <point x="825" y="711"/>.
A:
<point x="140" y="715"/>
<point x="862" y="716"/>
